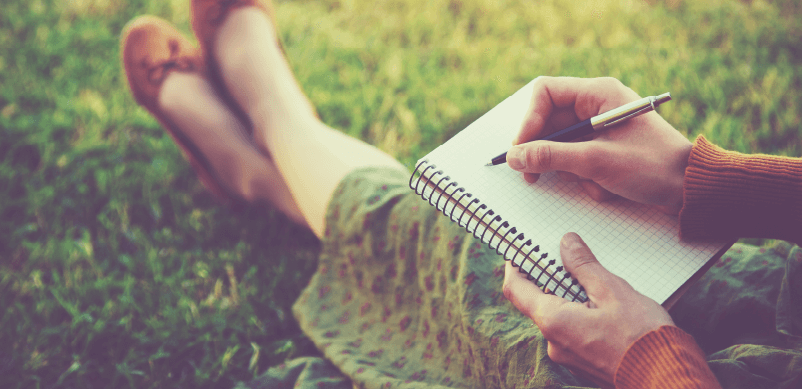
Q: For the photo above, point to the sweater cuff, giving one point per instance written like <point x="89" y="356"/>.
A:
<point x="729" y="195"/>
<point x="664" y="358"/>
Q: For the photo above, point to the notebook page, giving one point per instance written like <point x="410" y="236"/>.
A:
<point x="631" y="240"/>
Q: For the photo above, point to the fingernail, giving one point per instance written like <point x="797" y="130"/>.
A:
<point x="570" y="240"/>
<point x="515" y="158"/>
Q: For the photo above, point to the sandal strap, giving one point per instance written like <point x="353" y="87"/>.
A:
<point x="159" y="71"/>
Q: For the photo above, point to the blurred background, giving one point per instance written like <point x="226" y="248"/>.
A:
<point x="117" y="269"/>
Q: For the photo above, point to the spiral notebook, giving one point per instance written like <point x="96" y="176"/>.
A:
<point x="525" y="222"/>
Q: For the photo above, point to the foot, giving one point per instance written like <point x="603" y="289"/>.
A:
<point x="312" y="157"/>
<point x="192" y="106"/>
<point x="152" y="49"/>
<point x="166" y="77"/>
<point x="256" y="75"/>
<point x="208" y="16"/>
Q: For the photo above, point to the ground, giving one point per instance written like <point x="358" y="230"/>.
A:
<point x="117" y="269"/>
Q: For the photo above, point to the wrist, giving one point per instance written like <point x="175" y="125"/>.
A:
<point x="678" y="178"/>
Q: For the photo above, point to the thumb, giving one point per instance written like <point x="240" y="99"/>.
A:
<point x="585" y="159"/>
<point x="583" y="265"/>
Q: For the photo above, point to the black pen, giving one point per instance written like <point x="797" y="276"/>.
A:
<point x="599" y="122"/>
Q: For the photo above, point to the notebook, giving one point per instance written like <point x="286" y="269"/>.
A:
<point x="524" y="222"/>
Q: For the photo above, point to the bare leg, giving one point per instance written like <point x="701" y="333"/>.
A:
<point x="311" y="156"/>
<point x="192" y="104"/>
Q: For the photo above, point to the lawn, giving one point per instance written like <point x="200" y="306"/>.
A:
<point x="117" y="269"/>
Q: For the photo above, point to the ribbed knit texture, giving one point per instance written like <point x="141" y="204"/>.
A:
<point x="729" y="195"/>
<point x="726" y="195"/>
<point x="664" y="358"/>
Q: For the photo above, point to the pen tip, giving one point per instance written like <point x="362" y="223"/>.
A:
<point x="489" y="164"/>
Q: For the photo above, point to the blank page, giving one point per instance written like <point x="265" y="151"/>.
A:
<point x="634" y="241"/>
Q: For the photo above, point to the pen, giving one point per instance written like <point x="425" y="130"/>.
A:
<point x="599" y="122"/>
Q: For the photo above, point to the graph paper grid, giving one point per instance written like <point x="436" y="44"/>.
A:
<point x="632" y="240"/>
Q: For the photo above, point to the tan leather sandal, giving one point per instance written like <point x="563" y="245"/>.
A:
<point x="151" y="48"/>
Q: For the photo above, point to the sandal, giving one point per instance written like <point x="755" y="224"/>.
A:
<point x="151" y="48"/>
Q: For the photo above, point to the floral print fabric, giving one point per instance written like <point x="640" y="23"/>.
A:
<point x="405" y="298"/>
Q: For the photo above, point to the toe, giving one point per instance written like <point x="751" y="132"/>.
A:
<point x="152" y="48"/>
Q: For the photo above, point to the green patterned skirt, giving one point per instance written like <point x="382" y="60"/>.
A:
<point x="405" y="298"/>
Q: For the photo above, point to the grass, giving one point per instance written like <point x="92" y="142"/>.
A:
<point x="118" y="270"/>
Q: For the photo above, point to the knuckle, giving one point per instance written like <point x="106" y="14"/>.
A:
<point x="540" y="158"/>
<point x="617" y="89"/>
<point x="507" y="290"/>
<point x="597" y="195"/>
<point x="611" y="82"/>
<point x="595" y="191"/>
<point x="541" y="81"/>
<point x="547" y="329"/>
<point x="550" y="326"/>
<point x="620" y="285"/>
<point x="556" y="353"/>
<point x="561" y="318"/>
<point x="581" y="260"/>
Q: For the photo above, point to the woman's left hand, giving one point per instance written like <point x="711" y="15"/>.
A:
<point x="591" y="337"/>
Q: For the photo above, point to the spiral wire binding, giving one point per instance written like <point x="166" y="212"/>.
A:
<point x="537" y="264"/>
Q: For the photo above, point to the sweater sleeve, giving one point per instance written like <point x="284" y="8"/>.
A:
<point x="729" y="195"/>
<point x="726" y="195"/>
<point x="664" y="358"/>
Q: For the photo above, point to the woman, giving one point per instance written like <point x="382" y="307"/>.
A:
<point x="404" y="298"/>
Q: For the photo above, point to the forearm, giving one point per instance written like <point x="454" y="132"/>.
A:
<point x="729" y="195"/>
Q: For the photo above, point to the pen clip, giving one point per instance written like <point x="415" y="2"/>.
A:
<point x="641" y="111"/>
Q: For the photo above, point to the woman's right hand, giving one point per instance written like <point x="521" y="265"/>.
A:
<point x="642" y="159"/>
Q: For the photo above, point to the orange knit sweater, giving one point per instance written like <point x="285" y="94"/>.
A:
<point x="726" y="195"/>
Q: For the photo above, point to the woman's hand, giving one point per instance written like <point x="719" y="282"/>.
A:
<point x="591" y="337"/>
<point x="642" y="159"/>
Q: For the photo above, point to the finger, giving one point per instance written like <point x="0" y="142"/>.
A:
<point x="528" y="297"/>
<point x="568" y="177"/>
<point x="531" y="178"/>
<point x="549" y="93"/>
<point x="595" y="191"/>
<point x="558" y="120"/>
<point x="590" y="160"/>
<point x="585" y="96"/>
<point x="583" y="265"/>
